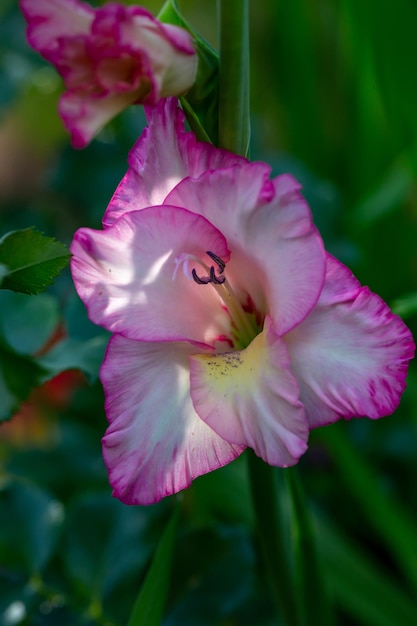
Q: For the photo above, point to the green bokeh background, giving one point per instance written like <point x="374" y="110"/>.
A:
<point x="334" y="102"/>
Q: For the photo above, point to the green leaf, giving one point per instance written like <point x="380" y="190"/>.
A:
<point x="393" y="189"/>
<point x="98" y="553"/>
<point x="272" y="523"/>
<point x="221" y="562"/>
<point x="18" y="375"/>
<point x="27" y="322"/>
<point x="222" y="495"/>
<point x="405" y="306"/>
<point x="370" y="596"/>
<point x="69" y="354"/>
<point x="194" y="121"/>
<point x="3" y="272"/>
<point x="149" y="606"/>
<point x="30" y="521"/>
<point x="200" y="103"/>
<point x="312" y="592"/>
<point x="389" y="519"/>
<point x="32" y="260"/>
<point x="394" y="64"/>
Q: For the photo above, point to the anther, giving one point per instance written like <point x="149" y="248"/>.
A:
<point x="216" y="280"/>
<point x="200" y="280"/>
<point x="219" y="262"/>
<point x="213" y="277"/>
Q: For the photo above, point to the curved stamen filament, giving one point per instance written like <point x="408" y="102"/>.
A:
<point x="247" y="330"/>
<point x="183" y="262"/>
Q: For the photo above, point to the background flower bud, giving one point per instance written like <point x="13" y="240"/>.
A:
<point x="109" y="58"/>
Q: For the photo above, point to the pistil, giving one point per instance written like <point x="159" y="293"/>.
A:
<point x="246" y="327"/>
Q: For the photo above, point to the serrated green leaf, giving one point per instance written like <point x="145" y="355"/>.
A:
<point x="200" y="103"/>
<point x="149" y="606"/>
<point x="32" y="260"/>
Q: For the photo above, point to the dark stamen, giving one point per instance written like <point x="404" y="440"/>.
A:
<point x="213" y="278"/>
<point x="216" y="280"/>
<point x="200" y="281"/>
<point x="219" y="262"/>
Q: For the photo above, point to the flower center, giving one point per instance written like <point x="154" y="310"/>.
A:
<point x="244" y="324"/>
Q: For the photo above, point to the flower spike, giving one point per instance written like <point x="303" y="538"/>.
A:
<point x="288" y="342"/>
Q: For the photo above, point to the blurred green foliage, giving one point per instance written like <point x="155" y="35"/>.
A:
<point x="334" y="96"/>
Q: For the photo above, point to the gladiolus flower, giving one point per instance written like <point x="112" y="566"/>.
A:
<point x="109" y="58"/>
<point x="232" y="326"/>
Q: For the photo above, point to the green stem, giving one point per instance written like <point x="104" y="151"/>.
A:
<point x="234" y="123"/>
<point x="272" y="516"/>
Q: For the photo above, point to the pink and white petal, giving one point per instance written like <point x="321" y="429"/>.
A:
<point x="277" y="254"/>
<point x="170" y="51"/>
<point x="164" y="155"/>
<point x="137" y="26"/>
<point x="74" y="65"/>
<point x="178" y="37"/>
<point x="124" y="25"/>
<point x="84" y="115"/>
<point x="155" y="444"/>
<point x="121" y="23"/>
<point x="178" y="76"/>
<point x="50" y="20"/>
<point x="251" y="398"/>
<point x="128" y="276"/>
<point x="350" y="355"/>
<point x="123" y="74"/>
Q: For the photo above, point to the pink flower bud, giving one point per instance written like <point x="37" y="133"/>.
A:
<point x="109" y="58"/>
